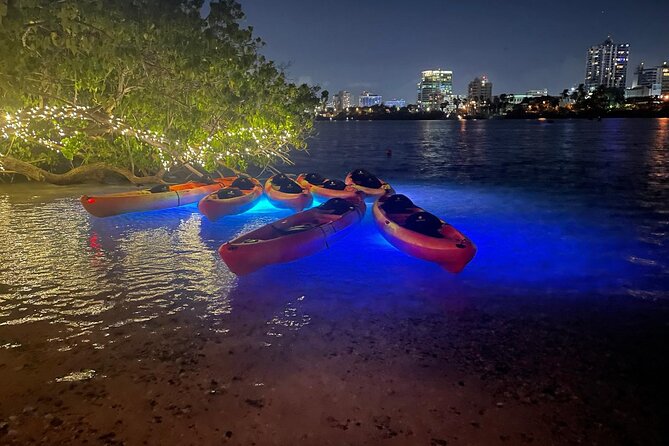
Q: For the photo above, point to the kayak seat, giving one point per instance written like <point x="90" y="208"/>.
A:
<point x="229" y="192"/>
<point x="291" y="188"/>
<point x="359" y="173"/>
<point x="424" y="223"/>
<point x="314" y="178"/>
<point x="337" y="206"/>
<point x="159" y="188"/>
<point x="243" y="183"/>
<point x="286" y="185"/>
<point x="334" y="185"/>
<point x="398" y="204"/>
<point x="361" y="177"/>
<point x="280" y="179"/>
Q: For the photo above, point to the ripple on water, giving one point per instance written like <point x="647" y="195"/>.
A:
<point x="552" y="209"/>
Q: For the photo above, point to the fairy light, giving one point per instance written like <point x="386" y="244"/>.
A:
<point x="244" y="142"/>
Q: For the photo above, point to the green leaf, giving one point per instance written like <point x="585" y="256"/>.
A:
<point x="151" y="65"/>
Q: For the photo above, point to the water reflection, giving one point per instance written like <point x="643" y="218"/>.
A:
<point x="65" y="267"/>
<point x="553" y="209"/>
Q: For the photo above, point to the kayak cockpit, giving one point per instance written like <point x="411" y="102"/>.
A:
<point x="286" y="185"/>
<point x="401" y="210"/>
<point x="364" y="178"/>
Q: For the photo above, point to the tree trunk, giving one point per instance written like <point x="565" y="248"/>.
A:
<point x="81" y="174"/>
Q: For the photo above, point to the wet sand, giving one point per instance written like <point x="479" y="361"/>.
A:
<point x="476" y="371"/>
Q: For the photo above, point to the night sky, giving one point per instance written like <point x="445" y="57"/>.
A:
<point x="382" y="45"/>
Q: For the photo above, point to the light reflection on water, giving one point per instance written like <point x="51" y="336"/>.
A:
<point x="585" y="230"/>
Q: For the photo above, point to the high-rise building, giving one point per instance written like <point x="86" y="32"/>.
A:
<point x="480" y="90"/>
<point x="435" y="87"/>
<point x="606" y="65"/>
<point x="367" y="99"/>
<point x="342" y="100"/>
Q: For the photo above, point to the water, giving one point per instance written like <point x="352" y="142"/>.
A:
<point x="572" y="208"/>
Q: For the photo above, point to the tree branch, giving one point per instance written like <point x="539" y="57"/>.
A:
<point x="88" y="172"/>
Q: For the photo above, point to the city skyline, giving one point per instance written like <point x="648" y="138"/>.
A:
<point x="381" y="47"/>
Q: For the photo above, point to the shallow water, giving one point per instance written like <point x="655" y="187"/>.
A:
<point x="577" y="208"/>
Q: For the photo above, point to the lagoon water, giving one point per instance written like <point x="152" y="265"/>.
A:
<point x="570" y="207"/>
<point x="564" y="211"/>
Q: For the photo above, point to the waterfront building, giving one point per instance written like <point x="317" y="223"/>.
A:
<point x="342" y="100"/>
<point x="517" y="98"/>
<point x="664" y="79"/>
<point x="649" y="81"/>
<point x="435" y="87"/>
<point x="537" y="93"/>
<point x="397" y="103"/>
<point x="641" y="91"/>
<point x="367" y="99"/>
<point x="606" y="64"/>
<point x="480" y="90"/>
<point x="645" y="76"/>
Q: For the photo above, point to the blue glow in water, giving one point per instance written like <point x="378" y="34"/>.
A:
<point x="523" y="243"/>
<point x="567" y="209"/>
<point x="263" y="206"/>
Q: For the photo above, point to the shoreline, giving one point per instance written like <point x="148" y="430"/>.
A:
<point x="592" y="117"/>
<point x="496" y="370"/>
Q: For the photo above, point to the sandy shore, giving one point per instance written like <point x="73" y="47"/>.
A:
<point x="479" y="372"/>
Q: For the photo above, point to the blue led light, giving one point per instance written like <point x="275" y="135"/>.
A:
<point x="524" y="242"/>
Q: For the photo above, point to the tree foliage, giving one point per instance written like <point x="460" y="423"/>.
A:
<point x="142" y="84"/>
<point x="601" y="99"/>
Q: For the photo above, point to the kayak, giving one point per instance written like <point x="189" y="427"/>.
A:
<point x="367" y="183"/>
<point x="158" y="197"/>
<point x="420" y="234"/>
<point x="325" y="188"/>
<point x="292" y="238"/>
<point x="286" y="193"/>
<point x="242" y="194"/>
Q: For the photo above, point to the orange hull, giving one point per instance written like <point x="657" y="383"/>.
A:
<point x="292" y="238"/>
<point x="452" y="252"/>
<point x="143" y="200"/>
<point x="324" y="193"/>
<point x="295" y="202"/>
<point x="214" y="208"/>
<point x="369" y="191"/>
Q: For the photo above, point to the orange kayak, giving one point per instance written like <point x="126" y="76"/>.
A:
<point x="367" y="183"/>
<point x="158" y="197"/>
<point x="421" y="234"/>
<point x="325" y="188"/>
<point x="286" y="193"/>
<point x="292" y="238"/>
<point x="242" y="194"/>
